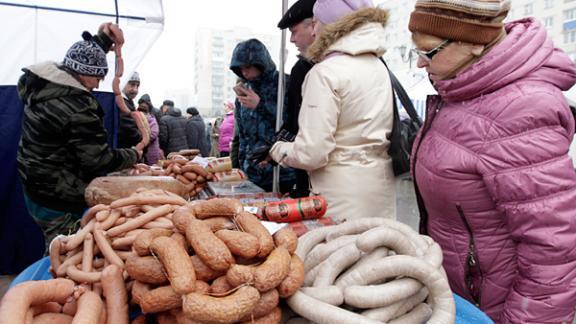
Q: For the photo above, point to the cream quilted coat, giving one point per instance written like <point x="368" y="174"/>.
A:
<point x="345" y="118"/>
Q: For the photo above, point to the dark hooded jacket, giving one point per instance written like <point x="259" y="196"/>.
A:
<point x="153" y="110"/>
<point x="173" y="131"/>
<point x="256" y="127"/>
<point x="64" y="142"/>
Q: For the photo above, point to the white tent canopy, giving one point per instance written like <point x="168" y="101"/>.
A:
<point x="42" y="30"/>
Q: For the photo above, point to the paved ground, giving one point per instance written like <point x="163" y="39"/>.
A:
<point x="406" y="208"/>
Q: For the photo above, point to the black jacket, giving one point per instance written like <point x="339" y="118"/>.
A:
<point x="196" y="135"/>
<point x="157" y="114"/>
<point x="173" y="131"/>
<point x="294" y="94"/>
<point x="128" y="134"/>
<point x="293" y="103"/>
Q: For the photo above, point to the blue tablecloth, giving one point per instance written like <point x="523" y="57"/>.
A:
<point x="466" y="313"/>
<point x="38" y="270"/>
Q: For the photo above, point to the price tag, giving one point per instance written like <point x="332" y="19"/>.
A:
<point x="200" y="160"/>
<point x="251" y="209"/>
<point x="273" y="227"/>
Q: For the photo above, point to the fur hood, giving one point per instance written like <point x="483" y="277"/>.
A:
<point x="365" y="28"/>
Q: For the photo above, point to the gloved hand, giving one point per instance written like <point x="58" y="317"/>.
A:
<point x="261" y="153"/>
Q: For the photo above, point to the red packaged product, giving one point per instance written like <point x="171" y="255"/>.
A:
<point x="294" y="210"/>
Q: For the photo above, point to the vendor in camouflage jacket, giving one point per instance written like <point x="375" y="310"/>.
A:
<point x="64" y="143"/>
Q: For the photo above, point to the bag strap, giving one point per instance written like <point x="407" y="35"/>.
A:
<point x="403" y="96"/>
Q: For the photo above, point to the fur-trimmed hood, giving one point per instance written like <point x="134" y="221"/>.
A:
<point x="358" y="33"/>
<point x="52" y="72"/>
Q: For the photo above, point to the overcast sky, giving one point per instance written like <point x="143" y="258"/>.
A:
<point x="169" y="64"/>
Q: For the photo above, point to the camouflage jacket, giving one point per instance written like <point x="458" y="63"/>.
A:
<point x="256" y="127"/>
<point x="64" y="142"/>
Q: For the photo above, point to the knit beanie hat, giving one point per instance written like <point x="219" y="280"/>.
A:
<point x="470" y="21"/>
<point x="329" y="11"/>
<point x="135" y="77"/>
<point x="86" y="58"/>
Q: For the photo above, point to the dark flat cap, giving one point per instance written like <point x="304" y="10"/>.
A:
<point x="193" y="111"/>
<point x="299" y="11"/>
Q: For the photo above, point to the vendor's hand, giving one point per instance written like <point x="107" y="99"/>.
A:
<point x="114" y="32"/>
<point x="139" y="149"/>
<point x="250" y="99"/>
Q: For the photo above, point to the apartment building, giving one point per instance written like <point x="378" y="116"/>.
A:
<point x="559" y="17"/>
<point x="213" y="79"/>
<point x="398" y="37"/>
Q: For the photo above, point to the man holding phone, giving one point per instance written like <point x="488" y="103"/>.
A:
<point x="256" y="106"/>
<point x="298" y="19"/>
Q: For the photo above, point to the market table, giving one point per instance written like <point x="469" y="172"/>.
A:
<point x="466" y="313"/>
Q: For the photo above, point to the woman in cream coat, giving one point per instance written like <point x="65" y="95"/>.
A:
<point x="346" y="114"/>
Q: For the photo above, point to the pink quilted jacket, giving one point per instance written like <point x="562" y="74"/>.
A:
<point x="226" y="132"/>
<point x="497" y="188"/>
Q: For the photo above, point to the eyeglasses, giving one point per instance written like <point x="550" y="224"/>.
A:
<point x="427" y="56"/>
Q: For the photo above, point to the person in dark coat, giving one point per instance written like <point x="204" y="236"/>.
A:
<point x="298" y="19"/>
<point x="128" y="134"/>
<point x="235" y="144"/>
<point x="166" y="104"/>
<point x="256" y="106"/>
<point x="196" y="132"/>
<point x="173" y="131"/>
<point x="64" y="143"/>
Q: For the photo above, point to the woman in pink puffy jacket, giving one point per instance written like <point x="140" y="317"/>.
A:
<point x="495" y="185"/>
<point x="226" y="130"/>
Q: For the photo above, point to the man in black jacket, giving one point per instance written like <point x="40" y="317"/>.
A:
<point x="128" y="134"/>
<point x="173" y="131"/>
<point x="298" y="19"/>
<point x="196" y="132"/>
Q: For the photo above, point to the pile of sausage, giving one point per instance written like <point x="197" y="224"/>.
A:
<point x="208" y="261"/>
<point x="372" y="270"/>
<point x="189" y="154"/>
<point x="190" y="174"/>
<point x="238" y="271"/>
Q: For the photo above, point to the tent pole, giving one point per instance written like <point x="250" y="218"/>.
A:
<point x="116" y="7"/>
<point x="280" y="102"/>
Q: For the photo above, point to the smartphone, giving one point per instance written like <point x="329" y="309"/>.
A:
<point x="239" y="89"/>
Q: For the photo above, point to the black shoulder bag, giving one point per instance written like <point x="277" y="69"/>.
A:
<point x="403" y="131"/>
